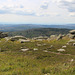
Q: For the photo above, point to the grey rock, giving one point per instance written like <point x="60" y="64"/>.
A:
<point x="15" y="38"/>
<point x="64" y="46"/>
<point x="72" y="31"/>
<point x="73" y="44"/>
<point x="23" y="41"/>
<point x="59" y="37"/>
<point x="71" y="34"/>
<point x="52" y="37"/>
<point x="3" y="35"/>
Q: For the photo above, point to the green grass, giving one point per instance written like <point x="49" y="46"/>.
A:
<point x="15" y="62"/>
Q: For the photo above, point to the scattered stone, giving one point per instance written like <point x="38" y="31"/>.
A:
<point x="59" y="37"/>
<point x="7" y="38"/>
<point x="25" y="49"/>
<point x="3" y="35"/>
<point x="45" y="51"/>
<point x="67" y="43"/>
<point x="64" y="46"/>
<point x="23" y="41"/>
<point x="52" y="37"/>
<point x="51" y="46"/>
<point x="39" y="45"/>
<point x="72" y="31"/>
<point x="73" y="44"/>
<point x="44" y="44"/>
<point x="61" y="50"/>
<point x="15" y="38"/>
<point x="35" y="49"/>
<point x="47" y="74"/>
<point x="40" y="38"/>
<point x="72" y="34"/>
<point x="71" y="41"/>
<point x="72" y="60"/>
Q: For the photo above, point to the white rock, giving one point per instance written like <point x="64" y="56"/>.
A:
<point x="51" y="46"/>
<point x="25" y="49"/>
<point x="73" y="44"/>
<point x="72" y="60"/>
<point x="61" y="50"/>
<point x="64" y="46"/>
<point x="35" y="49"/>
<point x="67" y="43"/>
<point x="71" y="41"/>
<point x="45" y="51"/>
<point x="39" y="45"/>
<point x="22" y="40"/>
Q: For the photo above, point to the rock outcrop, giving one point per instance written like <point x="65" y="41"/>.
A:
<point x="3" y="35"/>
<point x="59" y="37"/>
<point x="15" y="38"/>
<point x="53" y="37"/>
<point x="40" y="38"/>
<point x="72" y="34"/>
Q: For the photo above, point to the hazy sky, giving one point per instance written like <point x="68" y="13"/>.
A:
<point x="37" y="11"/>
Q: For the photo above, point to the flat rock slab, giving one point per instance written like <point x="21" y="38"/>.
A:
<point x="64" y="46"/>
<point x="35" y="49"/>
<point x="45" y="51"/>
<point x="72" y="31"/>
<point x="61" y="50"/>
<point x="25" y="49"/>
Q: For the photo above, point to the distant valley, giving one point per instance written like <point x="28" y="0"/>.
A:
<point x="20" y="27"/>
<point x="39" y="32"/>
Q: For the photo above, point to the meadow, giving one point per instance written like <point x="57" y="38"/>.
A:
<point x="44" y="61"/>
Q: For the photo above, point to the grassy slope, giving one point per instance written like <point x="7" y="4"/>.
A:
<point x="15" y="62"/>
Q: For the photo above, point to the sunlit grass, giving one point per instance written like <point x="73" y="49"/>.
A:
<point x="15" y="62"/>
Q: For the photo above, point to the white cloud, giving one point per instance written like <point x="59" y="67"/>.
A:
<point x="66" y="4"/>
<point x="16" y="9"/>
<point x="72" y="14"/>
<point x="38" y="10"/>
<point x="45" y="4"/>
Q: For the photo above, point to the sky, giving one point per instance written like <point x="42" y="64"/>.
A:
<point x="37" y="11"/>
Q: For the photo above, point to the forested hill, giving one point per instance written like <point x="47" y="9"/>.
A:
<point x="39" y="32"/>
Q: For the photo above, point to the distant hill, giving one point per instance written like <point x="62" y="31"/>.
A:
<point x="21" y="27"/>
<point x="39" y="32"/>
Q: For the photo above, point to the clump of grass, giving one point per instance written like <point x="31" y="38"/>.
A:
<point x="45" y="71"/>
